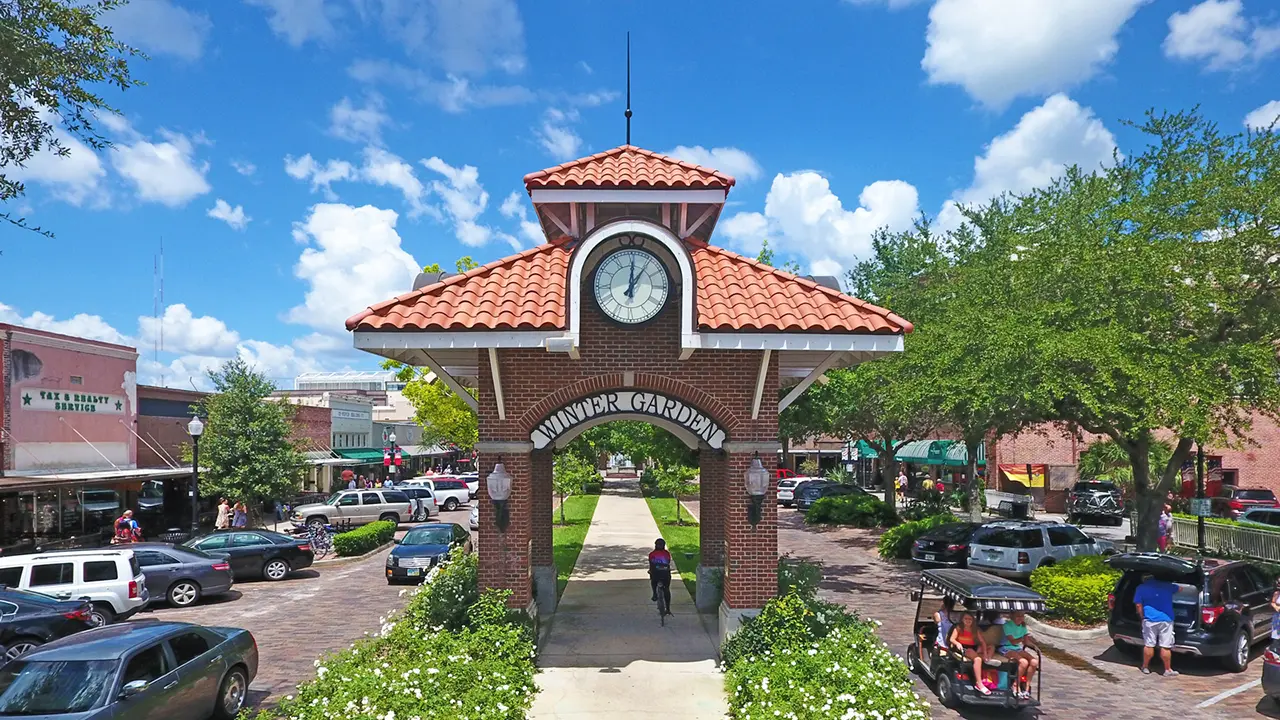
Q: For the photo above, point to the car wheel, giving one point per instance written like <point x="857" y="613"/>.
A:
<point x="913" y="658"/>
<point x="451" y="504"/>
<point x="184" y="593"/>
<point x="946" y="690"/>
<point x="101" y="614"/>
<point x="389" y="517"/>
<point x="231" y="694"/>
<point x="316" y="522"/>
<point x="21" y="645"/>
<point x="1238" y="660"/>
<point x="275" y="569"/>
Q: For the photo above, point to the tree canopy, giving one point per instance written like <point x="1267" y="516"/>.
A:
<point x="54" y="55"/>
<point x="247" y="450"/>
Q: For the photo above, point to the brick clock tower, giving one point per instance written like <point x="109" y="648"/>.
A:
<point x="628" y="312"/>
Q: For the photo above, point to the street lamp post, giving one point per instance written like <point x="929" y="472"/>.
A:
<point x="195" y="428"/>
<point x="1200" y="497"/>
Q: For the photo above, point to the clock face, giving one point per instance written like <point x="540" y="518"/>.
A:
<point x="631" y="286"/>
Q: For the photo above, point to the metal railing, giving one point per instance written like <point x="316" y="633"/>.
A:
<point x="1234" y="539"/>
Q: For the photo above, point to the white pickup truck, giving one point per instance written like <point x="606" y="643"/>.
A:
<point x="449" y="491"/>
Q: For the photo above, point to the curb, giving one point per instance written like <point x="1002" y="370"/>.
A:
<point x="344" y="560"/>
<point x="1048" y="630"/>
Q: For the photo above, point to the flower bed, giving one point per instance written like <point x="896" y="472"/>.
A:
<point x="364" y="539"/>
<point x="804" y="658"/>
<point x="857" y="510"/>
<point x="896" y="542"/>
<point x="1076" y="589"/>
<point x="451" y="653"/>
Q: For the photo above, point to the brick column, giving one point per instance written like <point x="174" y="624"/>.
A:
<point x="751" y="565"/>
<point x="505" y="556"/>
<point x="710" y="529"/>
<point x="543" y="558"/>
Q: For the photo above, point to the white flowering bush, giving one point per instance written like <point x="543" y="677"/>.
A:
<point x="805" y="659"/>
<point x="414" y="670"/>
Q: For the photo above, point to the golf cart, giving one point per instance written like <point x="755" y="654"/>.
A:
<point x="952" y="674"/>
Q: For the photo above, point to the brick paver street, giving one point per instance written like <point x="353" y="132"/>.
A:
<point x="1076" y="684"/>
<point x="296" y="620"/>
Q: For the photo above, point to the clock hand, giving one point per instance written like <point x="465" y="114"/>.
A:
<point x="631" y="281"/>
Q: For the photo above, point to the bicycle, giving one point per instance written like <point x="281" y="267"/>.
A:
<point x="664" y="590"/>
<point x="320" y="539"/>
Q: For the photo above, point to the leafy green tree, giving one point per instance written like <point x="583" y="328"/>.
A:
<point x="569" y="473"/>
<point x="247" y="450"/>
<point x="463" y="264"/>
<point x="446" y="419"/>
<point x="1106" y="460"/>
<point x="676" y="480"/>
<point x="766" y="254"/>
<point x="54" y="55"/>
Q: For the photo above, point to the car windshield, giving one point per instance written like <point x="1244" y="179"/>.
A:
<point x="1255" y="495"/>
<point x="428" y="536"/>
<point x="333" y="499"/>
<point x="54" y="688"/>
<point x="951" y="531"/>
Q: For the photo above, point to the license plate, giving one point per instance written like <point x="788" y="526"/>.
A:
<point x="993" y="554"/>
<point x="930" y="556"/>
<point x="413" y="572"/>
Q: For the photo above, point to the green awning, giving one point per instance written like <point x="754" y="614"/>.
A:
<point x="950" y="453"/>
<point x="867" y="450"/>
<point x="361" y="454"/>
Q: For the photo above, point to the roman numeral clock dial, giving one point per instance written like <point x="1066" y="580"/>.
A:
<point x="631" y="286"/>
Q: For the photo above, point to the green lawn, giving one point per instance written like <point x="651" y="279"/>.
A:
<point x="683" y="541"/>
<point x="567" y="539"/>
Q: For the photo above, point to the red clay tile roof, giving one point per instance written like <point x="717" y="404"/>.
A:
<point x="628" y="166"/>
<point x="527" y="292"/>
<point x="737" y="293"/>
<point x="521" y="292"/>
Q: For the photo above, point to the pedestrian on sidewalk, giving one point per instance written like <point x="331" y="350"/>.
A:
<point x="1166" y="528"/>
<point x="1154" y="599"/>
<point x="224" y="515"/>
<point x="1275" y="612"/>
<point x="239" y="515"/>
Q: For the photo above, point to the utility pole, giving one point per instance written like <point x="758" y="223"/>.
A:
<point x="1200" y="497"/>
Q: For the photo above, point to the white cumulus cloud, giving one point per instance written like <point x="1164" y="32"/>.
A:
<point x="82" y="325"/>
<point x="298" y="21"/>
<point x="998" y="50"/>
<point x="233" y="216"/>
<point x="166" y="172"/>
<point x="1262" y="118"/>
<point x="359" y="124"/>
<point x="353" y="259"/>
<point x="387" y="169"/>
<point x="1217" y="33"/>
<point x="556" y="134"/>
<point x="75" y="178"/>
<point x="185" y="333"/>
<point x="802" y="216"/>
<point x="320" y="176"/>
<point x="464" y="200"/>
<point x="729" y="160"/>
<point x="160" y="28"/>
<point x="244" y="167"/>
<point x="515" y="207"/>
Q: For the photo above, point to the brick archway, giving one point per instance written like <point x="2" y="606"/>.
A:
<point x="727" y="336"/>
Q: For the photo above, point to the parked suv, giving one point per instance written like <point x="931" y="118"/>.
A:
<point x="808" y="493"/>
<point x="1097" y="500"/>
<point x="110" y="579"/>
<point x="357" y="507"/>
<point x="1221" y="608"/>
<point x="1235" y="500"/>
<point x="450" y="492"/>
<point x="1013" y="548"/>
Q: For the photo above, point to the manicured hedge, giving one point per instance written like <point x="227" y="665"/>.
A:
<point x="857" y="510"/>
<point x="1228" y="521"/>
<point x="1076" y="589"/>
<point x="896" y="542"/>
<point x="451" y="653"/>
<point x="364" y="539"/>
<point x="804" y="658"/>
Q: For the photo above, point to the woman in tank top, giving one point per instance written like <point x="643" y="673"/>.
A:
<point x="966" y="638"/>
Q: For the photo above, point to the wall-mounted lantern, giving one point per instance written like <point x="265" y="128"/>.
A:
<point x="499" y="486"/>
<point x="757" y="487"/>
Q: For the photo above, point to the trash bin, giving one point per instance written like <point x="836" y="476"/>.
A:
<point x="1019" y="510"/>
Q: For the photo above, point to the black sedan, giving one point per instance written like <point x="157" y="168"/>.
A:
<point x="30" y="619"/>
<point x="136" y="670"/>
<point x="944" y="546"/>
<point x="182" y="575"/>
<point x="424" y="547"/>
<point x="809" y="493"/>
<point x="258" y="553"/>
<point x="1271" y="671"/>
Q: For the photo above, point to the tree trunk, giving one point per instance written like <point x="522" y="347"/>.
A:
<point x="971" y="480"/>
<point x="677" y="497"/>
<point x="1150" y="499"/>
<point x="786" y="452"/>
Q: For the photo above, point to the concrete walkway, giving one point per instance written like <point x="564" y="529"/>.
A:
<point x="606" y="655"/>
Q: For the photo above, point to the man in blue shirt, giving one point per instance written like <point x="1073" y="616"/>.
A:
<point x="1154" y="599"/>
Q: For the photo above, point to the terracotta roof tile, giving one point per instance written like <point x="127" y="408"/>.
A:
<point x="737" y="293"/>
<point x="527" y="292"/>
<point x="521" y="292"/>
<point x="628" y="166"/>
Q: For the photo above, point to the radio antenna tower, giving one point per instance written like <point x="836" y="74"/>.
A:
<point x="157" y="309"/>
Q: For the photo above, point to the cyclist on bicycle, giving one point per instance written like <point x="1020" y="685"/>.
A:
<point x="660" y="570"/>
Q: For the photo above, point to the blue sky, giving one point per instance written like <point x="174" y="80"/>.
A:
<point x="300" y="158"/>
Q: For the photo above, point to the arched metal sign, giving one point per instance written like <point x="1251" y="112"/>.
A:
<point x="632" y="403"/>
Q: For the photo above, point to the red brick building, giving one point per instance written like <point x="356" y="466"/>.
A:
<point x="629" y="313"/>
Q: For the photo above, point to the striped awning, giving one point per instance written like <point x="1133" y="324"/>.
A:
<point x="979" y="591"/>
